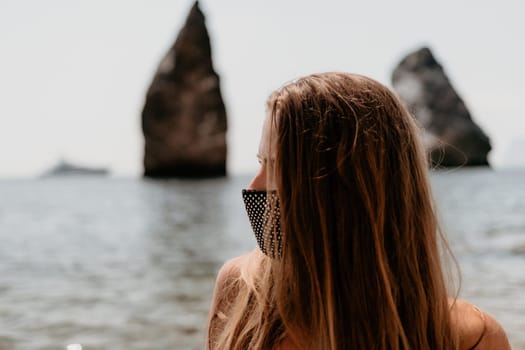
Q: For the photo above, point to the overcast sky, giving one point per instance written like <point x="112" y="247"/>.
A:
<point x="73" y="74"/>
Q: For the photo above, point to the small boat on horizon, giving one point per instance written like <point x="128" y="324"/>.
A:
<point x="64" y="168"/>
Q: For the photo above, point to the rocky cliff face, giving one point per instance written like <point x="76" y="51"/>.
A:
<point x="452" y="137"/>
<point x="184" y="117"/>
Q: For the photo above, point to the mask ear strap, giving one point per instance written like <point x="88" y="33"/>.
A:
<point x="275" y="225"/>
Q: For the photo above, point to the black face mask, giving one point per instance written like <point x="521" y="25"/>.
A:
<point x="265" y="220"/>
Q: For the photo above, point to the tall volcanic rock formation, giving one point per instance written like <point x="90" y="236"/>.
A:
<point x="184" y="118"/>
<point x="452" y="137"/>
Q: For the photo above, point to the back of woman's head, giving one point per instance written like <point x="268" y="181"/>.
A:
<point x="360" y="266"/>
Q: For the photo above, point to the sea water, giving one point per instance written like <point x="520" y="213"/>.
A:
<point x="130" y="263"/>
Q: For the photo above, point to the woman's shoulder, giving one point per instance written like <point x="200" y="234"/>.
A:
<point x="477" y="329"/>
<point x="228" y="275"/>
<point x="231" y="269"/>
<point x="226" y="290"/>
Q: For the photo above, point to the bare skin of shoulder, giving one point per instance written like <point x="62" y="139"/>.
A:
<point x="477" y="329"/>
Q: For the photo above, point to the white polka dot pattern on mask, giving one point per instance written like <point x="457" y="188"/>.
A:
<point x="264" y="215"/>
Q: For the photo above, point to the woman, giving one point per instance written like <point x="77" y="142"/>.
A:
<point x="348" y="237"/>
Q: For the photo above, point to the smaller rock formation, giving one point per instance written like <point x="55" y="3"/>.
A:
<point x="64" y="168"/>
<point x="452" y="137"/>
<point x="184" y="118"/>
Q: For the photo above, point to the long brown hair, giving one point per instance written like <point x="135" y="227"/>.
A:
<point x="361" y="266"/>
